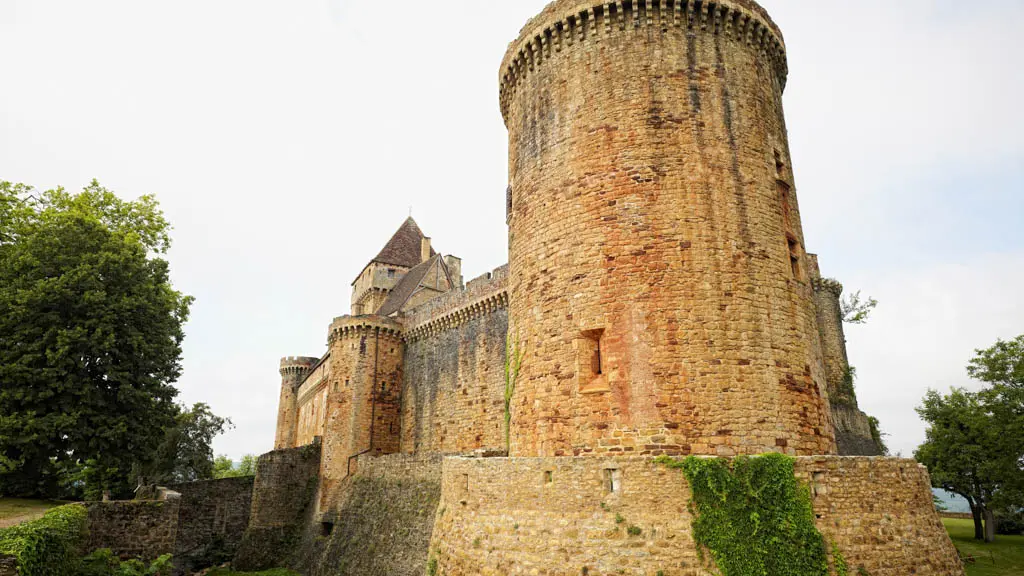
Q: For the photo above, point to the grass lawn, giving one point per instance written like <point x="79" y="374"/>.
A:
<point x="15" y="511"/>
<point x="1004" y="557"/>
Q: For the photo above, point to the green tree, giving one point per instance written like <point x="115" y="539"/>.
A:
<point x="186" y="454"/>
<point x="90" y="337"/>
<point x="975" y="440"/>
<point x="1000" y="365"/>
<point x="225" y="468"/>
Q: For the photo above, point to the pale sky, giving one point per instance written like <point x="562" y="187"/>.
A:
<point x="288" y="139"/>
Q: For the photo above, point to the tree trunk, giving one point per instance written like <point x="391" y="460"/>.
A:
<point x="979" y="531"/>
<point x="990" y="524"/>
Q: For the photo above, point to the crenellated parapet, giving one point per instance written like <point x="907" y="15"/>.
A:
<point x="297" y="366"/>
<point x="481" y="296"/>
<point x="567" y="22"/>
<point x="828" y="285"/>
<point x="460" y="316"/>
<point x="355" y="326"/>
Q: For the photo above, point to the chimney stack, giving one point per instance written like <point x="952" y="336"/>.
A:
<point x="425" y="249"/>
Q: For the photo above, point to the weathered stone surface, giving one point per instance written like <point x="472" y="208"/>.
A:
<point x="653" y="214"/>
<point x="385" y="520"/>
<point x="212" y="518"/>
<point x="283" y="503"/>
<point x="133" y="529"/>
<point x="453" y="390"/>
<point x="557" y="516"/>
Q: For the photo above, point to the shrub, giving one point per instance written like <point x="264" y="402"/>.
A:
<point x="48" y="546"/>
<point x="104" y="563"/>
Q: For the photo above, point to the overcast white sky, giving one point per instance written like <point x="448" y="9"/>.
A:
<point x="287" y="141"/>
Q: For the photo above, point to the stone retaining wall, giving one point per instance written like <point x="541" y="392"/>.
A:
<point x="283" y="505"/>
<point x="212" y="518"/>
<point x="572" y="516"/>
<point x="384" y="522"/>
<point x="133" y="529"/>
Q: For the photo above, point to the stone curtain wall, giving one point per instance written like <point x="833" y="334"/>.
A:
<point x="134" y="529"/>
<point x="212" y="518"/>
<point x="385" y="521"/>
<point x="283" y="503"/>
<point x="654" y="218"/>
<point x="572" y="516"/>
<point x="879" y="511"/>
<point x="453" y="392"/>
<point x="559" y="515"/>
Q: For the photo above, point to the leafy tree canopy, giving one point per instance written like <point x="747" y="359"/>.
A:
<point x="90" y="336"/>
<point x="225" y="468"/>
<point x="1000" y="365"/>
<point x="186" y="454"/>
<point x="975" y="440"/>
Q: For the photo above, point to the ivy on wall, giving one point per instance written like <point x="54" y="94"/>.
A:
<point x="753" y="516"/>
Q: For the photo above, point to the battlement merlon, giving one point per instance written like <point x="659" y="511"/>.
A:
<point x="297" y="365"/>
<point x="348" y="326"/>
<point x="567" y="21"/>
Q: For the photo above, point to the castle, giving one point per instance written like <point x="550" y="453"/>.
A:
<point x="658" y="300"/>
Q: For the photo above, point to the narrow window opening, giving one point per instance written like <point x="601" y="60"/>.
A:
<point x="346" y="382"/>
<point x="780" y="166"/>
<point x="787" y="218"/>
<point x="613" y="480"/>
<point x="326" y="529"/>
<point x="818" y="484"/>
<point x="592" y="357"/>
<point x="794" y="256"/>
<point x="548" y="477"/>
<point x="383" y="387"/>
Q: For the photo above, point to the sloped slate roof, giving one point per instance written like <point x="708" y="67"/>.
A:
<point x="407" y="286"/>
<point x="404" y="247"/>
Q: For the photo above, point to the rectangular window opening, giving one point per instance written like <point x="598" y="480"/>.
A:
<point x="794" y="256"/>
<point x="591" y="357"/>
<point x="326" y="529"/>
<point x="549" y="477"/>
<point x="613" y="480"/>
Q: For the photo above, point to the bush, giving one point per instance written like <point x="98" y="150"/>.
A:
<point x="1010" y="523"/>
<point x="105" y="563"/>
<point x="48" y="546"/>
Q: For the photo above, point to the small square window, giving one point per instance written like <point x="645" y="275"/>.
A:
<point x="613" y="480"/>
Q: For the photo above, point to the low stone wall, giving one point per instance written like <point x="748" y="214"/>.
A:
<point x="571" y="516"/>
<point x="133" y="529"/>
<point x="283" y="502"/>
<point x="8" y="566"/>
<point x="385" y="520"/>
<point x="957" y="515"/>
<point x="880" y="513"/>
<point x="212" y="519"/>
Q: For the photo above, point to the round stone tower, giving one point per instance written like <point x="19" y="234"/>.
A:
<point x="294" y="370"/>
<point x="363" y="397"/>
<point x="659" y="285"/>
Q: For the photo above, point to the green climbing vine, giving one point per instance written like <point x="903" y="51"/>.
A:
<point x="753" y="516"/>
<point x="513" y="361"/>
